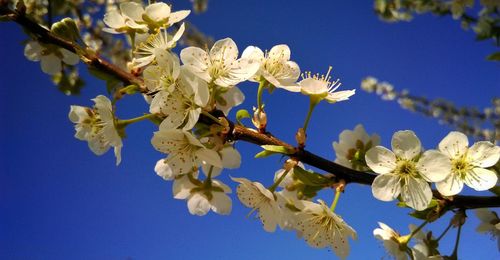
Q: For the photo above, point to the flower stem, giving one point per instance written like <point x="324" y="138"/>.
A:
<point x="260" y="91"/>
<point x="312" y="105"/>
<point x="125" y="122"/>
<point x="335" y="200"/>
<point x="444" y="232"/>
<point x="278" y="181"/>
<point x="455" y="250"/>
<point x="215" y="119"/>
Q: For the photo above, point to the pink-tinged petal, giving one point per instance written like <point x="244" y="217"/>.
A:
<point x="380" y="159"/>
<point x="480" y="179"/>
<point x="386" y="187"/>
<point x="454" y="145"/>
<point x="406" y="144"/>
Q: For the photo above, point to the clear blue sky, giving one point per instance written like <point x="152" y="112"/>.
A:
<point x="60" y="201"/>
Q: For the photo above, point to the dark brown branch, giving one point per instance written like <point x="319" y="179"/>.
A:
<point x="239" y="132"/>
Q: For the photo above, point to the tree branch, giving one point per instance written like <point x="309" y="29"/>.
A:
<point x="238" y="132"/>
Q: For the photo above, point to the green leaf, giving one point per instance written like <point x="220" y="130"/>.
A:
<point x="494" y="56"/>
<point x="264" y="154"/>
<point x="311" y="178"/>
<point x="242" y="113"/>
<point x="277" y="149"/>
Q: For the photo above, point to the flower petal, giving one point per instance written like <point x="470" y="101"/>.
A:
<point x="386" y="187"/>
<point x="434" y="166"/>
<point x="480" y="179"/>
<point x="224" y="50"/>
<point x="406" y="144"/>
<point x="197" y="61"/>
<point x="280" y="52"/>
<point x="198" y="205"/>
<point x="51" y="64"/>
<point x="454" y="145"/>
<point x="380" y="159"/>
<point x="163" y="170"/>
<point x="484" y="154"/>
<point x="416" y="193"/>
<point x="450" y="186"/>
<point x="221" y="203"/>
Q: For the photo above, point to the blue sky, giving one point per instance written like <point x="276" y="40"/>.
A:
<point x="60" y="201"/>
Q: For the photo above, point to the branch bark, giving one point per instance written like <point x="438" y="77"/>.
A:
<point x="239" y="132"/>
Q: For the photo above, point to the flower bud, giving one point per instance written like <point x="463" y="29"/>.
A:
<point x="259" y="119"/>
<point x="300" y="137"/>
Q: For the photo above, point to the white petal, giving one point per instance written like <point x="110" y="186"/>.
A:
<point x="233" y="97"/>
<point x="114" y="19"/>
<point x="157" y="11"/>
<point x="241" y="70"/>
<point x="224" y="50"/>
<point x="33" y="51"/>
<point x="182" y="187"/>
<point x="480" y="179"/>
<point x="118" y="154"/>
<point x="434" y="166"/>
<point x="450" y="186"/>
<point x="132" y="10"/>
<point x="484" y="154"/>
<point x="209" y="156"/>
<point x="178" y="16"/>
<point x="340" y="95"/>
<point x="312" y="86"/>
<point x="231" y="158"/>
<point x="406" y="144"/>
<point x="280" y="52"/>
<point x="380" y="159"/>
<point x="416" y="193"/>
<point x="221" y="203"/>
<point x="198" y="205"/>
<point x="386" y="187"/>
<point x="270" y="215"/>
<point x="51" y="64"/>
<point x="454" y="145"/>
<point x="254" y="53"/>
<point x="197" y="61"/>
<point x="78" y="114"/>
<point x="163" y="170"/>
<point x="69" y="57"/>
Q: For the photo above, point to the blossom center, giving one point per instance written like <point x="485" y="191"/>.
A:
<point x="461" y="166"/>
<point x="406" y="168"/>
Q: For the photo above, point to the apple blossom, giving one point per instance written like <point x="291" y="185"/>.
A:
<point x="352" y="146"/>
<point x="50" y="56"/>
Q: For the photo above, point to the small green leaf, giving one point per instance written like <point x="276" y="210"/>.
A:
<point x="242" y="113"/>
<point x="276" y="149"/>
<point x="494" y="57"/>
<point x="264" y="154"/>
<point x="311" y="178"/>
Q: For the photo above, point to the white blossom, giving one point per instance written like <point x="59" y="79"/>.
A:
<point x="155" y="46"/>
<point x="160" y="15"/>
<point x="221" y="65"/>
<point x="391" y="240"/>
<point x="468" y="164"/>
<point x="490" y="223"/>
<point x="230" y="97"/>
<point x="320" y="228"/>
<point x="352" y="146"/>
<point x="163" y="76"/>
<point x="124" y="21"/>
<point x="275" y="66"/>
<point x="184" y="104"/>
<point x="202" y="197"/>
<point x="231" y="159"/>
<point x="50" y="56"/>
<point x="321" y="87"/>
<point x="96" y="126"/>
<point x="185" y="152"/>
<point x="260" y="199"/>
<point x="405" y="171"/>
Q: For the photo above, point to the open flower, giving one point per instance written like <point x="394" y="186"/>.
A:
<point x="352" y="146"/>
<point x="124" y="21"/>
<point x="321" y="228"/>
<point x="275" y="66"/>
<point x="403" y="171"/>
<point x="468" y="164"/>
<point x="163" y="76"/>
<point x="229" y="98"/>
<point x="183" y="105"/>
<point x="185" y="152"/>
<point x="321" y="87"/>
<point x="221" y="65"/>
<point x="159" y="15"/>
<point x="154" y="47"/>
<point x="203" y="196"/>
<point x="490" y="223"/>
<point x="50" y="56"/>
<point x="260" y="199"/>
<point x="392" y="241"/>
<point x="96" y="126"/>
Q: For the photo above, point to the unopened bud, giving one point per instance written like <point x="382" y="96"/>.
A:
<point x="259" y="119"/>
<point x="458" y="219"/>
<point x="290" y="164"/>
<point x="300" y="137"/>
